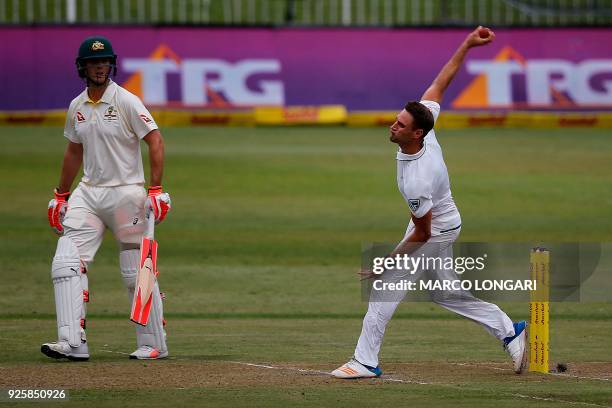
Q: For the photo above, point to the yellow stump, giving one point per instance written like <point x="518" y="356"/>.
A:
<point x="539" y="311"/>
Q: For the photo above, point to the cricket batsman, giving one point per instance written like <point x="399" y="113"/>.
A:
<point x="104" y="126"/>
<point x="435" y="224"/>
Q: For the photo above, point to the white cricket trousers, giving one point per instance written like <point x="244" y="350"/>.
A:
<point x="91" y="209"/>
<point x="382" y="306"/>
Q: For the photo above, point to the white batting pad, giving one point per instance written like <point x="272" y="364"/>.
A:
<point x="129" y="262"/>
<point x="153" y="333"/>
<point x="68" y="286"/>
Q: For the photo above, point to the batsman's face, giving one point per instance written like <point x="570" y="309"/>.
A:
<point x="98" y="70"/>
<point x="402" y="131"/>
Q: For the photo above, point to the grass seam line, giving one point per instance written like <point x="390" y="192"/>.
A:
<point x="289" y="316"/>
<point x="398" y="380"/>
<point x="582" y="377"/>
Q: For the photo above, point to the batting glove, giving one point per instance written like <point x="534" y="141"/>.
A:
<point x="57" y="210"/>
<point x="159" y="203"/>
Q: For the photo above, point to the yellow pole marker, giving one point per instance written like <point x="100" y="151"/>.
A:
<point x="539" y="311"/>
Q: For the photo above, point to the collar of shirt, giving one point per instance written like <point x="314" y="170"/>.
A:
<point x="409" y="157"/>
<point x="107" y="97"/>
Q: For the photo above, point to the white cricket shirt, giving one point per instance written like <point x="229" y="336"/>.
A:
<point x="422" y="178"/>
<point x="110" y="131"/>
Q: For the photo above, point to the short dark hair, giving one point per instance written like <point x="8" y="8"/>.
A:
<point x="422" y="117"/>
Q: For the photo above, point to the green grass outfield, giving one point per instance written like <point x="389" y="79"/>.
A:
<point x="258" y="260"/>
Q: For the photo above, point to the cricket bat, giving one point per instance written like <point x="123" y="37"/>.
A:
<point x="147" y="275"/>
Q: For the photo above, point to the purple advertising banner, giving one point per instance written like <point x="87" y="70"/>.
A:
<point x="363" y="69"/>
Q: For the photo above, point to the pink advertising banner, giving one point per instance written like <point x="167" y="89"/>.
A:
<point x="363" y="69"/>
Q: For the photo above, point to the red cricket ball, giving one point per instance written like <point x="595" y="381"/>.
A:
<point x="483" y="33"/>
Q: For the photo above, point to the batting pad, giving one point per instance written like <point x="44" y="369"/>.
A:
<point x="66" y="276"/>
<point x="145" y="282"/>
<point x="129" y="262"/>
<point x="153" y="333"/>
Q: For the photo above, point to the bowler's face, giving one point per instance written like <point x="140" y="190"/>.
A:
<point x="401" y="129"/>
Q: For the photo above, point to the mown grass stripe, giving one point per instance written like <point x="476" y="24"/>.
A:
<point x="419" y="316"/>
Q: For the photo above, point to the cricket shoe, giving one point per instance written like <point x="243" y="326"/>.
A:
<point x="62" y="349"/>
<point x="354" y="369"/>
<point x="516" y="346"/>
<point x="148" y="353"/>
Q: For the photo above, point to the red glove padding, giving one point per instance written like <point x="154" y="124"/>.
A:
<point x="158" y="202"/>
<point x="57" y="210"/>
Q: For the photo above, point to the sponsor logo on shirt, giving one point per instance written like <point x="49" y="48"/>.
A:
<point x="145" y="118"/>
<point x="80" y="117"/>
<point x="414" y="204"/>
<point x="110" y="114"/>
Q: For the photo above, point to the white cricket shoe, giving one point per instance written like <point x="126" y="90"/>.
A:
<point x="516" y="346"/>
<point x="148" y="353"/>
<point x="354" y="369"/>
<point x="62" y="349"/>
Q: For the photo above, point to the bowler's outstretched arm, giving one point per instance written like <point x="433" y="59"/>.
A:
<point x="436" y="90"/>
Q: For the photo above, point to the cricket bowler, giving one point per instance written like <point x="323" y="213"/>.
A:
<point x="104" y="127"/>
<point x="435" y="224"/>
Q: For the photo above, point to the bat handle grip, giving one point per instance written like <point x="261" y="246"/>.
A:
<point x="149" y="224"/>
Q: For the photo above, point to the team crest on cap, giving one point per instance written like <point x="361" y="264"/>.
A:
<point x="414" y="204"/>
<point x="97" y="46"/>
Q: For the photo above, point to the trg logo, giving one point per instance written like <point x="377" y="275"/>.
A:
<point x="205" y="81"/>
